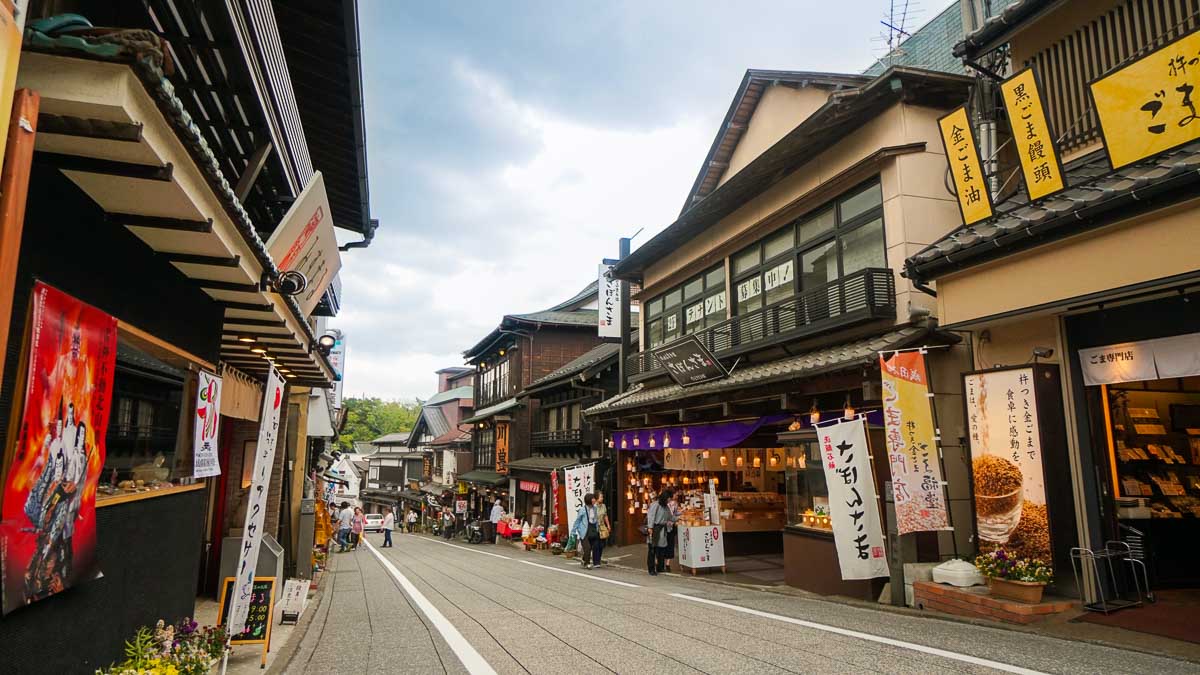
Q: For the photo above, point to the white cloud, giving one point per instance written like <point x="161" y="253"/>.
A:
<point x="416" y="299"/>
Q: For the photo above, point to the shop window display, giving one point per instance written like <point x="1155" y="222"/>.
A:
<point x="807" y="492"/>
<point x="1155" y="446"/>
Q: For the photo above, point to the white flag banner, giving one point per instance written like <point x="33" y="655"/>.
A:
<point x="609" y="304"/>
<point x="853" y="506"/>
<point x="205" y="461"/>
<point x="256" y="506"/>
<point x="580" y="481"/>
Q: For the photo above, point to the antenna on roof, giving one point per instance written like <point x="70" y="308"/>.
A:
<point x="896" y="20"/>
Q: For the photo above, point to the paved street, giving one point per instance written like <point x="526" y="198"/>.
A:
<point x="426" y="607"/>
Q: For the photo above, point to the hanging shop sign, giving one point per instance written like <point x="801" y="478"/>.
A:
<point x="608" y="303"/>
<point x="48" y="532"/>
<point x="580" y="481"/>
<point x="912" y="444"/>
<point x="207" y="425"/>
<point x="1160" y="359"/>
<point x="337" y="361"/>
<point x="304" y="242"/>
<point x="256" y="506"/>
<point x="1032" y="135"/>
<point x="689" y="362"/>
<point x="460" y="506"/>
<point x="974" y="200"/>
<point x="1006" y="462"/>
<point x="530" y="486"/>
<point x="502" y="448"/>
<point x="1148" y="106"/>
<point x="853" y="506"/>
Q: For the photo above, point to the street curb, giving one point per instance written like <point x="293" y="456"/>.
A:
<point x="283" y="659"/>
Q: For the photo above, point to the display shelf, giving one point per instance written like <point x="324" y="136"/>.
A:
<point x="103" y="500"/>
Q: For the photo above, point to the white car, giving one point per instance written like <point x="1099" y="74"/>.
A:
<point x="374" y="523"/>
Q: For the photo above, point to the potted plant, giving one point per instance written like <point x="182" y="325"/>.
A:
<point x="1021" y="579"/>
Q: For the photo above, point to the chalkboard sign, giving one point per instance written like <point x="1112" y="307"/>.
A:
<point x="689" y="362"/>
<point x="259" y="619"/>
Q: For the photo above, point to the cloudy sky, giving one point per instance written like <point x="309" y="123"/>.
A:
<point x="512" y="143"/>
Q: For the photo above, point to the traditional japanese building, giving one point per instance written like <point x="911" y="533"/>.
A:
<point x="784" y="264"/>
<point x="1095" y="282"/>
<point x="147" y="192"/>
<point x="522" y="349"/>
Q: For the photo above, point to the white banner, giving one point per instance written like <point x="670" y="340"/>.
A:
<point x="1160" y="359"/>
<point x="581" y="480"/>
<point x="609" y="304"/>
<point x="304" y="242"/>
<point x="256" y="507"/>
<point x="205" y="461"/>
<point x="853" y="507"/>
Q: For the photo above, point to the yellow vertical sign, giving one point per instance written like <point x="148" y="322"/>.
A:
<point x="1149" y="105"/>
<point x="1032" y="135"/>
<point x="974" y="202"/>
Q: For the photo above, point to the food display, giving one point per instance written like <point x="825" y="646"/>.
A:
<point x="1156" y="462"/>
<point x="752" y="511"/>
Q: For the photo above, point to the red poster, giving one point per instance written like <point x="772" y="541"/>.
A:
<point x="49" y="508"/>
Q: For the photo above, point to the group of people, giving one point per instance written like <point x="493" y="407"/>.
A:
<point x="660" y="532"/>
<point x="350" y="523"/>
<point x="592" y="529"/>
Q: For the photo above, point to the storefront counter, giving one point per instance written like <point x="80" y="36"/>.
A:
<point x="810" y="563"/>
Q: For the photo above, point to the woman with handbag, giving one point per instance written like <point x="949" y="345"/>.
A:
<point x="605" y="529"/>
<point x="586" y="529"/>
<point x="658" y="518"/>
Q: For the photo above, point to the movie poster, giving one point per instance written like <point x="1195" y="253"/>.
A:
<point x="48" y="535"/>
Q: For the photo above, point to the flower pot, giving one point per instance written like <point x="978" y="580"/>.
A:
<point x="1023" y="591"/>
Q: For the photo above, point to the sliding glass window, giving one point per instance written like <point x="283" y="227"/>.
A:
<point x="691" y="306"/>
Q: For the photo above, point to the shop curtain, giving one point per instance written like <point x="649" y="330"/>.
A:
<point x="717" y="435"/>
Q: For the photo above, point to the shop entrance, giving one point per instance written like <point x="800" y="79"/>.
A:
<point x="1139" y="369"/>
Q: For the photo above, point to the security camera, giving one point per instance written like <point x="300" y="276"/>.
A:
<point x="1042" y="352"/>
<point x="289" y="283"/>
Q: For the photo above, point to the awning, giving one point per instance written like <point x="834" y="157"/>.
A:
<point x="541" y="464"/>
<point x="320" y="425"/>
<point x="122" y="136"/>
<point x="484" y="413"/>
<point x="1161" y="359"/>
<point x="489" y="478"/>
<point x="704" y="436"/>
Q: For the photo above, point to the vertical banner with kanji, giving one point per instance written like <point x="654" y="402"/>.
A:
<point x="608" y="303"/>
<point x="205" y="462"/>
<point x="48" y="532"/>
<point x="966" y="168"/>
<point x="554" y="497"/>
<point x="580" y="481"/>
<point x="502" y="448"/>
<point x="911" y="444"/>
<point x="1032" y="135"/>
<point x="853" y="506"/>
<point x="256" y="506"/>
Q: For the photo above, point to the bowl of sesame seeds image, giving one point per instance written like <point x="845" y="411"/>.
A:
<point x="998" y="497"/>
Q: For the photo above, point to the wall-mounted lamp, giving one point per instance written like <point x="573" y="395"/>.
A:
<point x="814" y="415"/>
<point x="848" y="413"/>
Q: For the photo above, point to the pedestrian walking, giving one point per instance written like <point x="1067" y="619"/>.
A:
<point x="587" y="529"/>
<point x="345" y="519"/>
<point x="412" y="520"/>
<point x="605" y="529"/>
<point x="657" y="519"/>
<point x="447" y="523"/>
<point x="389" y="524"/>
<point x="356" y="527"/>
<point x="493" y="520"/>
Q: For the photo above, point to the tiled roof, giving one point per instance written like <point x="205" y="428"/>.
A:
<point x="1095" y="192"/>
<point x="434" y="421"/>
<point x="484" y="413"/>
<point x="588" y="292"/>
<point x="451" y="394"/>
<point x="816" y="362"/>
<point x="481" y="477"/>
<point x="391" y="439"/>
<point x="1006" y="16"/>
<point x="578" y="317"/>
<point x="542" y="463"/>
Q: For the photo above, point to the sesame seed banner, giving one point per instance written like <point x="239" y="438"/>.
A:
<point x="912" y="444"/>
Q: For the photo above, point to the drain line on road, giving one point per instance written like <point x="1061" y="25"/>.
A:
<point x="934" y="651"/>
<point x="471" y="659"/>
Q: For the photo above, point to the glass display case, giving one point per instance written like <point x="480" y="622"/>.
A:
<point x="807" y="493"/>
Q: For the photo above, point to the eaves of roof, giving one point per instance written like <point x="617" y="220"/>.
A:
<point x="841" y="115"/>
<point x="579" y="318"/>
<point x="451" y="394"/>
<point x="742" y="108"/>
<point x="998" y="28"/>
<point x="1097" y="196"/>
<point x="809" y="364"/>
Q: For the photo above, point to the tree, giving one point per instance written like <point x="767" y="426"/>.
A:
<point x="370" y="418"/>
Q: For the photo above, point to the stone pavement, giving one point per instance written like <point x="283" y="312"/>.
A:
<point x="532" y="613"/>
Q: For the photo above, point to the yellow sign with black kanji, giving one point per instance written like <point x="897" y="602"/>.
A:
<point x="974" y="202"/>
<point x="1032" y="135"/>
<point x="1149" y="106"/>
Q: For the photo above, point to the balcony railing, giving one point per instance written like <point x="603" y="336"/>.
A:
<point x="866" y="295"/>
<point x="558" y="437"/>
